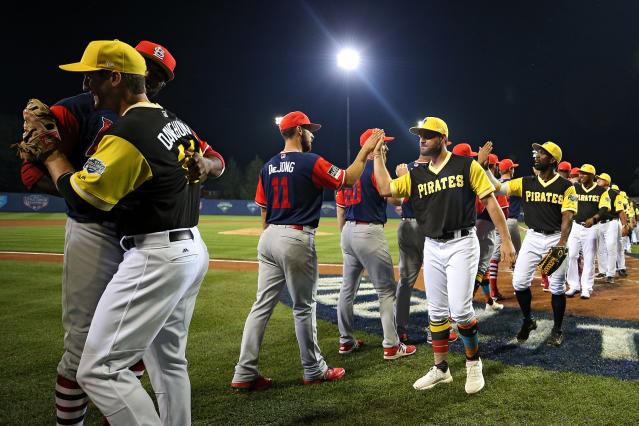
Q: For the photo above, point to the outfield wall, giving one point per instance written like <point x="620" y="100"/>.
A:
<point x="28" y="202"/>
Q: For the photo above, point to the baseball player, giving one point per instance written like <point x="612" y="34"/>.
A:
<point x="411" y="257"/>
<point x="92" y="250"/>
<point x="289" y="191"/>
<point x="487" y="242"/>
<point x="507" y="172"/>
<point x="609" y="230"/>
<point x="146" y="307"/>
<point x="361" y="215"/>
<point x="549" y="203"/>
<point x="563" y="169"/>
<point x="443" y="199"/>
<point x="583" y="235"/>
<point x="574" y="177"/>
<point x="625" y="230"/>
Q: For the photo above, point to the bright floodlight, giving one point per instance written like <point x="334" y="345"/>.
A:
<point x="348" y="59"/>
<point x="278" y="120"/>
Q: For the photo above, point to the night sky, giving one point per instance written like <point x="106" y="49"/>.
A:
<point x="511" y="72"/>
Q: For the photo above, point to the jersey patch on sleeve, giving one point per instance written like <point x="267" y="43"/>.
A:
<point x="95" y="166"/>
<point x="334" y="171"/>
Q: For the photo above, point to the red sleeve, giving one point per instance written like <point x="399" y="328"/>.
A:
<point x="339" y="199"/>
<point x="68" y="127"/>
<point x="503" y="201"/>
<point x="207" y="151"/>
<point x="326" y="175"/>
<point x="30" y="173"/>
<point x="260" y="197"/>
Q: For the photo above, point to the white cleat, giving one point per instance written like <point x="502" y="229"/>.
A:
<point x="474" y="377"/>
<point x="434" y="377"/>
<point x="494" y="307"/>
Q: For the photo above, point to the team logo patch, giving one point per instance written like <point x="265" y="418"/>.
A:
<point x="608" y="347"/>
<point x="252" y="207"/>
<point x="334" y="171"/>
<point x="159" y="52"/>
<point x="36" y="201"/>
<point x="94" y="166"/>
<point x="224" y="206"/>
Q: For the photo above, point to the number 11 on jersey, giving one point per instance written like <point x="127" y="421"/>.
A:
<point x="282" y="184"/>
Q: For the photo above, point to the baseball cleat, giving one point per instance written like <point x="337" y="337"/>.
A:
<point x="258" y="384"/>
<point x="610" y="280"/>
<point x="585" y="295"/>
<point x="528" y="325"/>
<point x="399" y="351"/>
<point x="452" y="337"/>
<point x="498" y="297"/>
<point x="572" y="292"/>
<point x="494" y="307"/>
<point x="330" y="375"/>
<point x="434" y="377"/>
<point x="347" y="348"/>
<point x="474" y="376"/>
<point x="622" y="273"/>
<point x="556" y="338"/>
<point x="600" y="276"/>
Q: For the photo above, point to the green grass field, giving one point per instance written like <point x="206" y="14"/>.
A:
<point x="374" y="391"/>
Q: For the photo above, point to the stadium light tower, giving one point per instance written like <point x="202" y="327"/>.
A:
<point x="278" y="120"/>
<point x="348" y="60"/>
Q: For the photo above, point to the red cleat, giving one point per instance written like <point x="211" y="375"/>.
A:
<point x="452" y="336"/>
<point x="259" y="384"/>
<point x="347" y="348"/>
<point x="399" y="351"/>
<point x="330" y="375"/>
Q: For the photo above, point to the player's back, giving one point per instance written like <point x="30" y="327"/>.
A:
<point x="291" y="186"/>
<point x="363" y="202"/>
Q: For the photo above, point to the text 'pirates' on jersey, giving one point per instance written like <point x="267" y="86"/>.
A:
<point x="291" y="185"/>
<point x="544" y="202"/>
<point x="589" y="201"/>
<point x="443" y="198"/>
<point x="362" y="202"/>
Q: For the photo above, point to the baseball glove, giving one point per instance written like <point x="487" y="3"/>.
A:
<point x="41" y="136"/>
<point x="553" y="259"/>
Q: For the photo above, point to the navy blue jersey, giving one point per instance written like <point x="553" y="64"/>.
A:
<point x="291" y="185"/>
<point x="407" y="207"/>
<point x="514" y="205"/>
<point x="362" y="202"/>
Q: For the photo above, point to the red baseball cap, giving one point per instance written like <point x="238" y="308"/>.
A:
<point x="493" y="159"/>
<point x="464" y="149"/>
<point x="564" y="166"/>
<point x="575" y="171"/>
<point x="160" y="55"/>
<point x="507" y="164"/>
<point x="298" y="118"/>
<point x="368" y="133"/>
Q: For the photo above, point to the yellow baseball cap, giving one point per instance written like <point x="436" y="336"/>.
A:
<point x="431" y="123"/>
<point x="615" y="186"/>
<point x="110" y="55"/>
<point x="605" y="176"/>
<point x="551" y="147"/>
<point x="588" y="168"/>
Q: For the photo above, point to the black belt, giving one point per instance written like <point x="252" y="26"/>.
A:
<point x="541" y="231"/>
<point x="447" y="236"/>
<point x="185" y="234"/>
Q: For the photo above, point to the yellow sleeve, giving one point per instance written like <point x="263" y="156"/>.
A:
<point x="400" y="187"/>
<point x="570" y="200"/>
<point x="618" y="203"/>
<point x="604" y="200"/>
<point x="514" y="187"/>
<point x="116" y="169"/>
<point x="479" y="181"/>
